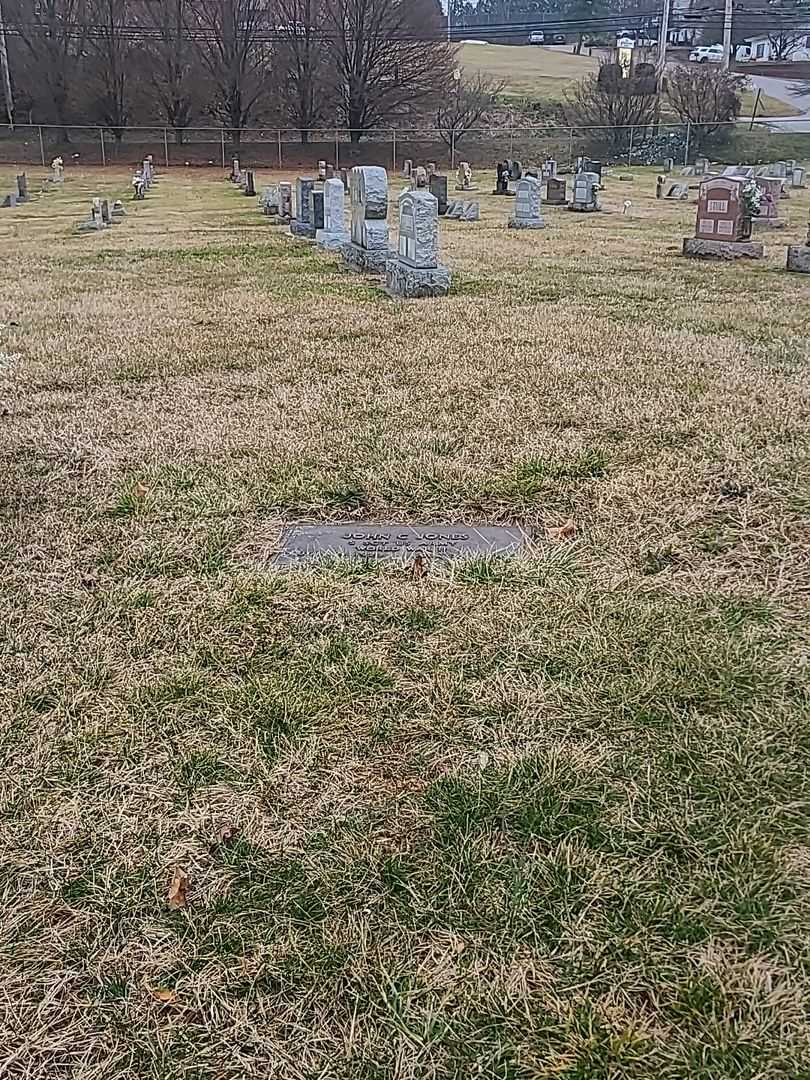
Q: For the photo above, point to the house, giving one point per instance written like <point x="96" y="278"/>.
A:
<point x="782" y="45"/>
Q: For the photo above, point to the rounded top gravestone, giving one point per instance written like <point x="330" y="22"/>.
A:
<point x="371" y="190"/>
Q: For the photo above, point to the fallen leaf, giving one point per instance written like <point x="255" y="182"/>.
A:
<point x="178" y="889"/>
<point x="140" y="491"/>
<point x="227" y="833"/>
<point x="563" y="532"/>
<point x="483" y="759"/>
<point x="419" y="567"/>
<point x="168" y="997"/>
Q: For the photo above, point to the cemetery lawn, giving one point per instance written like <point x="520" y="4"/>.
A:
<point x="540" y="819"/>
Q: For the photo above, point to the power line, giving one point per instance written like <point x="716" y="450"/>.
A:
<point x="639" y="21"/>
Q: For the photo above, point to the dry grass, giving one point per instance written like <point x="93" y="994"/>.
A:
<point x="536" y="819"/>
<point x="530" y="71"/>
<point x="768" y="106"/>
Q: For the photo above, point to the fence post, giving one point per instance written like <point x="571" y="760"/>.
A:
<point x="41" y="146"/>
<point x="103" y="151"/>
<point x="511" y="135"/>
<point x="571" y="146"/>
<point x="337" y="149"/>
<point x="688" y="139"/>
<point x="280" y="157"/>
<point x="166" y="147"/>
<point x="630" y="147"/>
<point x="222" y="145"/>
<point x="452" y="149"/>
<point x="393" y="150"/>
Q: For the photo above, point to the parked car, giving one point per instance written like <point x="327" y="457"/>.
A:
<point x="707" y="54"/>
<point x="537" y="38"/>
<point x="637" y="38"/>
<point x="558" y="39"/>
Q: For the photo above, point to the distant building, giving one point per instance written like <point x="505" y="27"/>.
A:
<point x="795" y="46"/>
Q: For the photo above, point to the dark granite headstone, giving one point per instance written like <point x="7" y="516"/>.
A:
<point x="300" y="543"/>
<point x="303" y="189"/>
<point x="437" y="185"/>
<point x="502" y="179"/>
<point x="585" y="164"/>
<point x="316" y="209"/>
<point x="301" y="225"/>
<point x="250" y="182"/>
<point x="555" y="192"/>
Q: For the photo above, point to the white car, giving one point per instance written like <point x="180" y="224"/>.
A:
<point x="707" y="54"/>
<point x="537" y="38"/>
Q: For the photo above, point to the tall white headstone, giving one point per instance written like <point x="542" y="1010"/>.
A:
<point x="415" y="270"/>
<point x="333" y="235"/>
<point x="527" y="205"/>
<point x="368" y="247"/>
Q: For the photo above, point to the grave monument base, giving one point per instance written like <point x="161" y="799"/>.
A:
<point x="721" y="249"/>
<point x="769" y="223"/>
<point x="302" y="228"/>
<point x="798" y="259"/>
<point x="365" y="260"/>
<point x="539" y="224"/>
<point x="402" y="280"/>
<point x="584" y="209"/>
<point x="331" y="241"/>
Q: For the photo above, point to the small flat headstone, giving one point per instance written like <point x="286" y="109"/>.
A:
<point x="300" y="543"/>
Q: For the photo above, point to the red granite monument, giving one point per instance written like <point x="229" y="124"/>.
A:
<point x="723" y="226"/>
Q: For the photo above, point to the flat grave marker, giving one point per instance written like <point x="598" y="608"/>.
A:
<point x="302" y="543"/>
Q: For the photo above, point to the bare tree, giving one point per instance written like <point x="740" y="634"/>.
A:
<point x="301" y="62"/>
<point x="5" y="71"/>
<point x="171" y="64"/>
<point x="469" y="100"/>
<point x="51" y="44"/>
<point x="388" y="57"/>
<point x="706" y="97"/>
<point x="229" y="37"/>
<point x="784" y="43"/>
<point x="614" y="107"/>
<point x="110" y="46"/>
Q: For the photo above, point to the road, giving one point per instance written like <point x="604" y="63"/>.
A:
<point x="780" y="89"/>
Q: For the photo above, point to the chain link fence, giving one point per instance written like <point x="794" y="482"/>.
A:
<point x="279" y="148"/>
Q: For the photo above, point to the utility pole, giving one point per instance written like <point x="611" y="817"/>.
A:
<point x="727" y="35"/>
<point x="5" y="74"/>
<point x="663" y="39"/>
